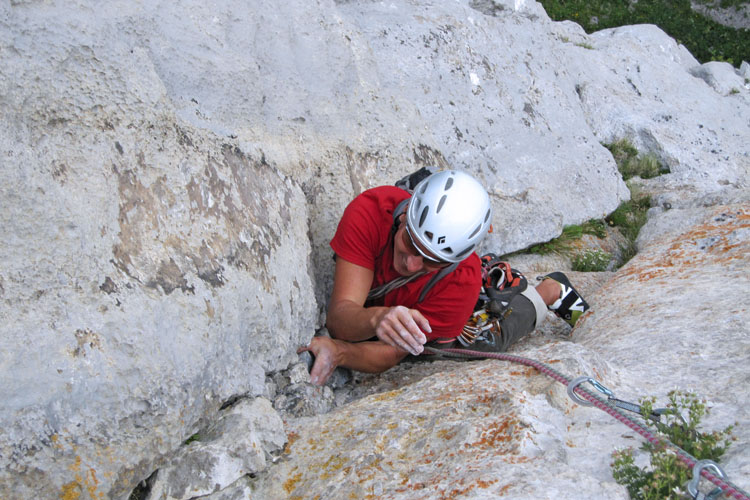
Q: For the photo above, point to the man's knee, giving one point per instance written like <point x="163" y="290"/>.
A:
<point x="540" y="307"/>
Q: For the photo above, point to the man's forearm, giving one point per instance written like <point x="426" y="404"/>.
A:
<point x="368" y="357"/>
<point x="352" y="322"/>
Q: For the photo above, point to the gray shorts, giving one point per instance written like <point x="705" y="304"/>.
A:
<point x="526" y="311"/>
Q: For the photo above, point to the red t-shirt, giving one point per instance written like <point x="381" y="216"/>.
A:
<point x="363" y="238"/>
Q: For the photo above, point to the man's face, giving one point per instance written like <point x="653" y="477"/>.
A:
<point x="409" y="256"/>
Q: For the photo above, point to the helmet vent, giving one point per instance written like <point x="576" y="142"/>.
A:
<point x="465" y="252"/>
<point x="424" y="188"/>
<point x="423" y="215"/>
<point x="487" y="217"/>
<point x="448" y="184"/>
<point x="440" y="204"/>
<point x="479" y="228"/>
<point x="429" y="235"/>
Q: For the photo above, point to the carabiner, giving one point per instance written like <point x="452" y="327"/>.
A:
<point x="693" y="484"/>
<point x="578" y="381"/>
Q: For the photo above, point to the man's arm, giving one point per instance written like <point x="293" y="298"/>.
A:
<point x="348" y="319"/>
<point x="369" y="357"/>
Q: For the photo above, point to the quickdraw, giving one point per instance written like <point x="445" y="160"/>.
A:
<point x="625" y="405"/>
<point x="700" y="468"/>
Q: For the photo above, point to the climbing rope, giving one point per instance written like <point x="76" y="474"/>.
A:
<point x="700" y="468"/>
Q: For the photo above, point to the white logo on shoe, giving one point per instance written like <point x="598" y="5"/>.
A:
<point x="577" y="305"/>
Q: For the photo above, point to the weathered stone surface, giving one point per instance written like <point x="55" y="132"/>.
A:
<point x="172" y="173"/>
<point x="145" y="273"/>
<point x="237" y="444"/>
<point x="736" y="16"/>
<point x="722" y="77"/>
<point x="671" y="318"/>
<point x="638" y="83"/>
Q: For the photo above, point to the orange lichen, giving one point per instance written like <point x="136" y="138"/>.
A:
<point x="82" y="481"/>
<point x="446" y="434"/>
<point x="456" y="492"/>
<point x="291" y="483"/>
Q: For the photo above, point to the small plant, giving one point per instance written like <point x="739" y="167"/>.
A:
<point x="192" y="439"/>
<point x="631" y="164"/>
<point x="585" y="45"/>
<point x="629" y="218"/>
<point x="666" y="475"/>
<point x="591" y="261"/>
<point x="563" y="244"/>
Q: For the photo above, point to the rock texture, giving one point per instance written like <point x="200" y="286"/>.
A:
<point x="668" y="319"/>
<point x="172" y="173"/>
<point x="736" y="16"/>
<point x="145" y="276"/>
<point x="236" y="445"/>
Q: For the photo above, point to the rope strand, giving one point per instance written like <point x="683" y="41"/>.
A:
<point x="726" y="486"/>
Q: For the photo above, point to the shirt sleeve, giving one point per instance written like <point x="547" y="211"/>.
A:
<point x="365" y="226"/>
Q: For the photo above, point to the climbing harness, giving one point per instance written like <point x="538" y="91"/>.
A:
<point x="580" y="394"/>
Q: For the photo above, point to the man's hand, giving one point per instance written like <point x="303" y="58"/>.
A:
<point x="324" y="350"/>
<point x="402" y="327"/>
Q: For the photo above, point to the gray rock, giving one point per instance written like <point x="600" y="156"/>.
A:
<point x="722" y="77"/>
<point x="239" y="443"/>
<point x="745" y="72"/>
<point x="736" y="16"/>
<point x="304" y="400"/>
<point x="173" y="172"/>
<point x="146" y="273"/>
<point x="671" y="318"/>
<point x="627" y="85"/>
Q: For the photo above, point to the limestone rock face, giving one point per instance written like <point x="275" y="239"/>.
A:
<point x="172" y="173"/>
<point x="150" y="270"/>
<point x="669" y="319"/>
<point x="237" y="444"/>
<point x="652" y="91"/>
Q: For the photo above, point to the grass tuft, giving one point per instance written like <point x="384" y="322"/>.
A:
<point x="633" y="164"/>
<point x="563" y="244"/>
<point x="591" y="261"/>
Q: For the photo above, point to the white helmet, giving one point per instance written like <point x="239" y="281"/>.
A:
<point x="449" y="213"/>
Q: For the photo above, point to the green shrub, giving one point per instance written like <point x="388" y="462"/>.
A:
<point x="591" y="261"/>
<point x="666" y="475"/>
<point x="631" y="164"/>
<point x="629" y="218"/>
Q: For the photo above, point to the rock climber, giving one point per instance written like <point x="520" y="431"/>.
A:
<point x="385" y="256"/>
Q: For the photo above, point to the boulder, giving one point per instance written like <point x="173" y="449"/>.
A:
<point x="237" y="444"/>
<point x="151" y="271"/>
<point x="636" y="82"/>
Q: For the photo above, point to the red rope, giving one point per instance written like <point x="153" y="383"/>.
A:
<point x="726" y="487"/>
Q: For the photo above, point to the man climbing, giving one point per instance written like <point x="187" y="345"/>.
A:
<point x="392" y="247"/>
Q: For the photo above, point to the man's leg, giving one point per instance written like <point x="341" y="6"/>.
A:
<point x="527" y="312"/>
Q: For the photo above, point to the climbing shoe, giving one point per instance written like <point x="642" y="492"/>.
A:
<point x="570" y="306"/>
